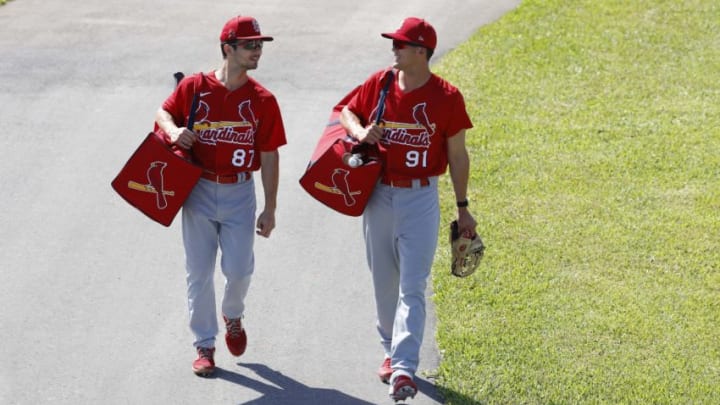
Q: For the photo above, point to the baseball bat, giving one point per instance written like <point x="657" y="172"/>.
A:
<point x="381" y="103"/>
<point x="178" y="77"/>
<point x="389" y="77"/>
<point x="193" y="110"/>
<point x="333" y="190"/>
<point x="147" y="188"/>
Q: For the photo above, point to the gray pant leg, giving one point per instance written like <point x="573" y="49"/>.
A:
<point x="401" y="231"/>
<point x="200" y="240"/>
<point x="418" y="217"/>
<point x="382" y="260"/>
<point x="237" y="236"/>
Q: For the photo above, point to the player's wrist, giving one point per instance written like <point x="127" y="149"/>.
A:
<point x="462" y="203"/>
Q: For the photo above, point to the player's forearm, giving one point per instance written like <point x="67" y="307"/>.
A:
<point x="460" y="175"/>
<point x="166" y="123"/>
<point x="270" y="175"/>
<point x="459" y="161"/>
<point x="350" y="122"/>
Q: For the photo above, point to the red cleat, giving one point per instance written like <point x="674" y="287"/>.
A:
<point x="204" y="365"/>
<point x="235" y="337"/>
<point x="385" y="371"/>
<point x="402" y="388"/>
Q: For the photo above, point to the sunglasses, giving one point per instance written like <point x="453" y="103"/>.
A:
<point x="402" y="44"/>
<point x="250" y="45"/>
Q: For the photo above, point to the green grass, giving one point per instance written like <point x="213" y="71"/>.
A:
<point x="596" y="186"/>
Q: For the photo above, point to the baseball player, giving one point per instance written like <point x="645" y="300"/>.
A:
<point x="238" y="130"/>
<point x="422" y="131"/>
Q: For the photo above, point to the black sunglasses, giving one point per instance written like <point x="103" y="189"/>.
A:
<point x="248" y="45"/>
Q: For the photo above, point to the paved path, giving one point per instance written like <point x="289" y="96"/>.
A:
<point x="92" y="294"/>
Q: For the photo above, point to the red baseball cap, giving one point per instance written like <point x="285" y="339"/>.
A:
<point x="416" y="31"/>
<point x="242" y="27"/>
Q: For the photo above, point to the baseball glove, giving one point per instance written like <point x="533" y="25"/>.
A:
<point x="466" y="252"/>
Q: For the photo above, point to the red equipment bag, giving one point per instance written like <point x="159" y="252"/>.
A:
<point x="329" y="179"/>
<point x="157" y="180"/>
<point x="158" y="177"/>
<point x="332" y="181"/>
<point x="341" y="187"/>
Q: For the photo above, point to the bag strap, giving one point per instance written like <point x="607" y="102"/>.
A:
<point x="379" y="111"/>
<point x="389" y="76"/>
<point x="195" y="101"/>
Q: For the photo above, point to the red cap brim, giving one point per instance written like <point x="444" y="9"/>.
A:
<point x="255" y="38"/>
<point x="393" y="35"/>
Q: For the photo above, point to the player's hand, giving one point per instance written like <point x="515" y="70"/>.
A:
<point x="370" y="134"/>
<point x="183" y="137"/>
<point x="466" y="223"/>
<point x="265" y="224"/>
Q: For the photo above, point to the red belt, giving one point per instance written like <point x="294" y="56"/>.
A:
<point x="406" y="183"/>
<point x="226" y="178"/>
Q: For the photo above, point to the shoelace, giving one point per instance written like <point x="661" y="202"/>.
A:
<point x="205" y="352"/>
<point x="234" y="327"/>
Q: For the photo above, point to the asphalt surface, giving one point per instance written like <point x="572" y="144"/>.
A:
<point x="92" y="298"/>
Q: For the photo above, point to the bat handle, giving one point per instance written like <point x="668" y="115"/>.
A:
<point x="193" y="110"/>
<point x="383" y="94"/>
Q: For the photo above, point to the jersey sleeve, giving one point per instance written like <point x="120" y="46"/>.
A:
<point x="271" y="130"/>
<point x="364" y="101"/>
<point x="178" y="102"/>
<point x="459" y="118"/>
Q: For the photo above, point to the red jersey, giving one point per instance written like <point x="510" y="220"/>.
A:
<point x="233" y="127"/>
<point x="416" y="125"/>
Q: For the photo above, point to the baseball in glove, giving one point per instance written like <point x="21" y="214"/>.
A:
<point x="466" y="252"/>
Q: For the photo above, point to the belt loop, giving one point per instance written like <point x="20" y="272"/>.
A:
<point x="407" y="183"/>
<point x="235" y="178"/>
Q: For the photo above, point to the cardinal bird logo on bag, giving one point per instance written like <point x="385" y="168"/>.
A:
<point x="341" y="187"/>
<point x="155" y="184"/>
<point x="155" y="180"/>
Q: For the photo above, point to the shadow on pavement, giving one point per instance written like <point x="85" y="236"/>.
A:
<point x="285" y="390"/>
<point x="429" y="390"/>
<point x="452" y="396"/>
